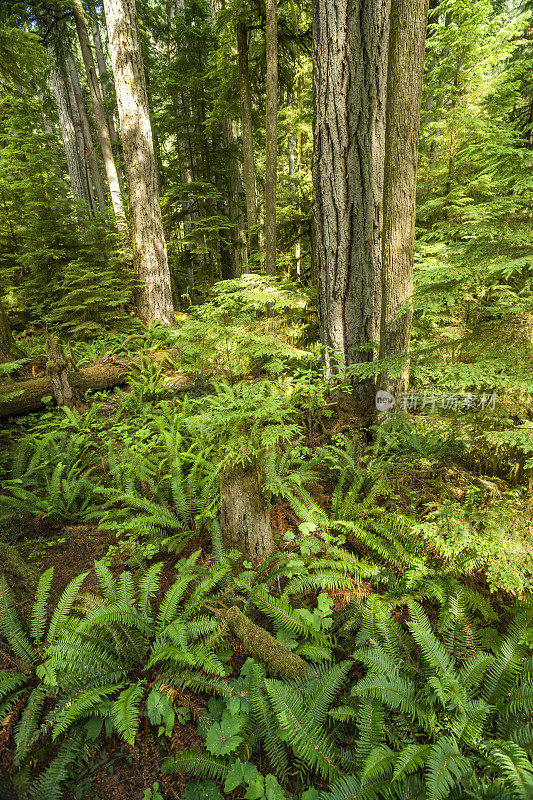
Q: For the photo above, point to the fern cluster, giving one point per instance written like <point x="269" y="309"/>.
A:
<point x="94" y="658"/>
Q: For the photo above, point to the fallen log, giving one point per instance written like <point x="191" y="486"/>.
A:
<point x="260" y="644"/>
<point x="21" y="397"/>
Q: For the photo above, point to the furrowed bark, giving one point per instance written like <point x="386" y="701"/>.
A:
<point x="404" y="96"/>
<point x="59" y="80"/>
<point x="87" y="139"/>
<point x="148" y="239"/>
<point x="350" y="39"/>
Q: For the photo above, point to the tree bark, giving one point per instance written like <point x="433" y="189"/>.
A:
<point x="87" y="139"/>
<point x="247" y="138"/>
<point x="100" y="118"/>
<point x="149" y="247"/>
<point x="102" y="67"/>
<point x="404" y="95"/>
<point x="97" y="377"/>
<point x="245" y="516"/>
<point x="271" y="133"/>
<point x="237" y="235"/>
<point x="350" y="42"/>
<point x="59" y="80"/>
<point x="60" y="368"/>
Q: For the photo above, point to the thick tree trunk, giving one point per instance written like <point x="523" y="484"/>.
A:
<point x="87" y="139"/>
<point x="271" y="133"/>
<point x="100" y="118"/>
<point x="59" y="79"/>
<point x="30" y="393"/>
<point x="245" y="516"/>
<point x="149" y="247"/>
<point x="247" y="138"/>
<point x="350" y="58"/>
<point x="404" y="94"/>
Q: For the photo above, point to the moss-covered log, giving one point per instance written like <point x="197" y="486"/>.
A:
<point x="11" y="562"/>
<point x="279" y="660"/>
<point x="28" y="394"/>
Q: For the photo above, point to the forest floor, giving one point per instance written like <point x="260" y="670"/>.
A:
<point x="415" y="483"/>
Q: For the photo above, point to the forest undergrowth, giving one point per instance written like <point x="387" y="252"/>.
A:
<point x="383" y="649"/>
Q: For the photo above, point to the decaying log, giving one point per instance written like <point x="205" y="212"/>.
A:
<point x="279" y="660"/>
<point x="97" y="377"/>
<point x="12" y="562"/>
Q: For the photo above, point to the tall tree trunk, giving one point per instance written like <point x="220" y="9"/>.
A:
<point x="350" y="65"/>
<point x="68" y="132"/>
<point x="100" y="118"/>
<point x="149" y="247"/>
<point x="102" y="67"/>
<point x="229" y="140"/>
<point x="404" y="95"/>
<point x="87" y="139"/>
<point x="235" y="215"/>
<point x="294" y="200"/>
<point x="76" y="119"/>
<point x="182" y="109"/>
<point x="271" y="154"/>
<point x="247" y="138"/>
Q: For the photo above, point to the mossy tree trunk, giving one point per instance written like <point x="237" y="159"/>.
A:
<point x="245" y="515"/>
<point x="9" y="351"/>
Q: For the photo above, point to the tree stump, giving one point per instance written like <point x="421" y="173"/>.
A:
<point x="59" y="368"/>
<point x="245" y="515"/>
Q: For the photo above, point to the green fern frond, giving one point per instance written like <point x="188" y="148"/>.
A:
<point x="125" y="711"/>
<point x="508" y="661"/>
<point x="349" y="788"/>
<point x="513" y="761"/>
<point x="325" y="689"/>
<point x="81" y="707"/>
<point x="267" y="726"/>
<point x="12" y="628"/>
<point x="149" y="586"/>
<point x="397" y="693"/>
<point x="304" y="737"/>
<point x="48" y="785"/>
<point x="410" y="759"/>
<point x="199" y="763"/>
<point x="445" y="767"/>
<point x="39" y="612"/>
<point x="27" y="728"/>
<point x="62" y="610"/>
